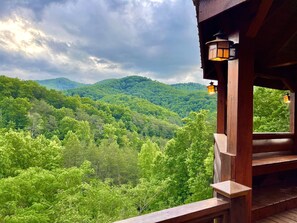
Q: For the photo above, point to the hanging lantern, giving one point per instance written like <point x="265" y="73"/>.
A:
<point x="219" y="49"/>
<point x="287" y="98"/>
<point x="211" y="88"/>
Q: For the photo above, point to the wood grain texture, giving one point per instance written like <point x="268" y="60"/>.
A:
<point x="198" y="211"/>
<point x="222" y="98"/>
<point x="272" y="200"/>
<point x="240" y="115"/>
<point x="210" y="8"/>
<point x="284" y="217"/>
<point x="231" y="189"/>
<point x="271" y="145"/>
<point x="259" y="19"/>
<point x="273" y="135"/>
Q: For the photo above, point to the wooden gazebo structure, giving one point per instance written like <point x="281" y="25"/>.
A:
<point x="255" y="175"/>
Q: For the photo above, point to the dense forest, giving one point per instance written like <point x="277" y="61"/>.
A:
<point x="60" y="84"/>
<point x="138" y="147"/>
<point x="179" y="98"/>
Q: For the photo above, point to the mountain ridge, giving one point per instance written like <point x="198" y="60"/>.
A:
<point x="60" y="83"/>
<point x="180" y="99"/>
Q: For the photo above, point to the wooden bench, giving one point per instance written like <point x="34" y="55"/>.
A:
<point x="272" y="155"/>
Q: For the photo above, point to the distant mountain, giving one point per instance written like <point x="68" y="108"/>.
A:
<point x="181" y="98"/>
<point x="60" y="84"/>
<point x="189" y="86"/>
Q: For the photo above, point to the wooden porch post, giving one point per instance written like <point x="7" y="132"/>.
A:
<point x="240" y="118"/>
<point x="222" y="98"/>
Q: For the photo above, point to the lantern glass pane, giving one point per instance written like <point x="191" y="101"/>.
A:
<point x="212" y="53"/>
<point x="220" y="53"/>
<point x="226" y="53"/>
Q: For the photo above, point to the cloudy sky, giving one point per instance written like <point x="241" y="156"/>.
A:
<point x="92" y="40"/>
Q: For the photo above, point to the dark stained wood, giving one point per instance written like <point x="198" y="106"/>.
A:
<point x="240" y="113"/>
<point x="211" y="8"/>
<point x="222" y="97"/>
<point x="272" y="160"/>
<point x="231" y="189"/>
<point x="272" y="135"/>
<point x="258" y="20"/>
<point x="201" y="211"/>
<point x="293" y="121"/>
<point x="284" y="217"/>
<point x="272" y="145"/>
<point x="238" y="209"/>
<point x="272" y="200"/>
<point x="224" y="162"/>
<point x="284" y="59"/>
<point x="267" y="36"/>
<point x="270" y="83"/>
<point x="278" y="36"/>
<point x="237" y="194"/>
<point x="228" y="166"/>
<point x="265" y="163"/>
<point x="268" y="164"/>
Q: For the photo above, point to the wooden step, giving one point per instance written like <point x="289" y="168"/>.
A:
<point x="268" y="201"/>
<point x="271" y="162"/>
<point x="289" y="216"/>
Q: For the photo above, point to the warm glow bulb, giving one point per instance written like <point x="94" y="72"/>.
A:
<point x="211" y="89"/>
<point x="287" y="99"/>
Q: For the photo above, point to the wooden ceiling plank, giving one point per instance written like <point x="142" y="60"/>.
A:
<point x="285" y="33"/>
<point x="210" y="8"/>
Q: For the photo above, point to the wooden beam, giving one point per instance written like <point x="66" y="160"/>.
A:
<point x="269" y="83"/>
<point x="240" y="112"/>
<point x="281" y="28"/>
<point x="283" y="60"/>
<point x="210" y="8"/>
<point x="259" y="18"/>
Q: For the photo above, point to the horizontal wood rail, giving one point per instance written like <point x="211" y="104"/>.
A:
<point x="273" y="152"/>
<point x="199" y="212"/>
<point x="272" y="135"/>
<point x="272" y="145"/>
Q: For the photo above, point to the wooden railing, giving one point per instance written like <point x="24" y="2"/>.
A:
<point x="223" y="161"/>
<point x="207" y="211"/>
<point x="272" y="135"/>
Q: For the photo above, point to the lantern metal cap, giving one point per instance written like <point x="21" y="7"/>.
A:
<point x="219" y="37"/>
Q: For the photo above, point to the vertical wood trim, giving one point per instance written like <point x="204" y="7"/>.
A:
<point x="240" y="114"/>
<point x="293" y="122"/>
<point x="222" y="99"/>
<point x="292" y="112"/>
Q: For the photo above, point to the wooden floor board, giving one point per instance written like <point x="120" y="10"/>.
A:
<point x="284" y="217"/>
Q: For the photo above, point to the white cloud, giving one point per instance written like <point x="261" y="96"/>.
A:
<point x="98" y="39"/>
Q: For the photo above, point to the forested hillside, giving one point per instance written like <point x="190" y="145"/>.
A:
<point x="181" y="99"/>
<point x="189" y="86"/>
<point x="72" y="159"/>
<point x="60" y="84"/>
